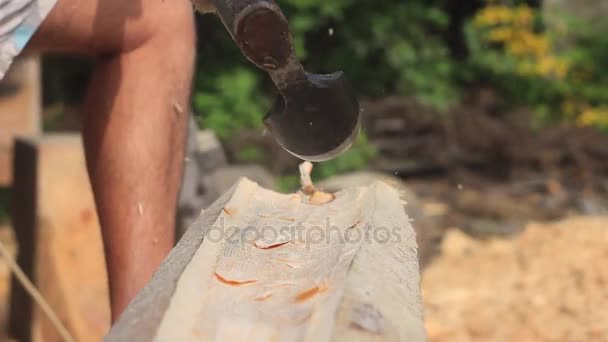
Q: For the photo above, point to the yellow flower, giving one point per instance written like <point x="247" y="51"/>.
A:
<point x="513" y="29"/>
<point x="500" y="34"/>
<point x="545" y="65"/>
<point x="493" y="15"/>
<point x="517" y="48"/>
<point x="593" y="117"/>
<point x="523" y="16"/>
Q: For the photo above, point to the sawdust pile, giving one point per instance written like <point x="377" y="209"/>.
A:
<point x="550" y="283"/>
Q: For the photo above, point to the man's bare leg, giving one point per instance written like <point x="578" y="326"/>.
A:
<point x="135" y="122"/>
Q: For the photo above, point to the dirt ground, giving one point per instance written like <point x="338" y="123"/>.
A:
<point x="548" y="283"/>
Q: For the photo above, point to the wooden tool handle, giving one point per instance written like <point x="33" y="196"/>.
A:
<point x="261" y="31"/>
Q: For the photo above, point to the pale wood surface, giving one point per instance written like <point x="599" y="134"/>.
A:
<point x="266" y="266"/>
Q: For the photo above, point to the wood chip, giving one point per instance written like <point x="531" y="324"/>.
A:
<point x="229" y="211"/>
<point x="320" y="198"/>
<point x="233" y="282"/>
<point x="263" y="295"/>
<point x="267" y="243"/>
<point x="293" y="265"/>
<point x="315" y="196"/>
<point x="282" y="283"/>
<point x="272" y="241"/>
<point x="305" y="181"/>
<point x="311" y="292"/>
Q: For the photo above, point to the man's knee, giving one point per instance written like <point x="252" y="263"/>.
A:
<point x="167" y="26"/>
<point x="110" y="27"/>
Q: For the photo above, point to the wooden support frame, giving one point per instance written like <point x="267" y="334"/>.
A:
<point x="60" y="246"/>
<point x="20" y="109"/>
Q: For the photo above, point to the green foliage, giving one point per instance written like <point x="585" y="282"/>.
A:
<point x="384" y="47"/>
<point x="559" y="70"/>
<point x="249" y="154"/>
<point x="357" y="157"/>
<point x="234" y="101"/>
<point x="288" y="183"/>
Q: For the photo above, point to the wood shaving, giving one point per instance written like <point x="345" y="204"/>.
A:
<point x="229" y="211"/>
<point x="233" y="282"/>
<point x="320" y="197"/>
<point x="293" y="265"/>
<point x="272" y="242"/>
<point x="305" y="181"/>
<point x="315" y="196"/>
<point x="283" y="283"/>
<point x="263" y="296"/>
<point x="311" y="292"/>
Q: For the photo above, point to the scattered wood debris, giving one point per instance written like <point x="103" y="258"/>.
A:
<point x="233" y="282"/>
<point x="290" y="219"/>
<point x="282" y="283"/>
<point x="263" y="296"/>
<point x="305" y="181"/>
<point x="320" y="197"/>
<point x="311" y="292"/>
<point x="269" y="242"/>
<point x="229" y="211"/>
<point x="314" y="196"/>
<point x="292" y="264"/>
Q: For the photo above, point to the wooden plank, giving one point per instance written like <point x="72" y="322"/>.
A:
<point x="266" y="266"/>
<point x="20" y="109"/>
<point x="59" y="241"/>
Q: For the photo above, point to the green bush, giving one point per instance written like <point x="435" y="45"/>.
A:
<point x="562" y="75"/>
<point x="233" y="101"/>
<point x="384" y="47"/>
<point x="357" y="157"/>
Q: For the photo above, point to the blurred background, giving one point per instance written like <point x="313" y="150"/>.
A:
<point x="491" y="117"/>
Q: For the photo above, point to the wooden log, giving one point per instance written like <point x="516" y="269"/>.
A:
<point x="260" y="265"/>
<point x="59" y="240"/>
